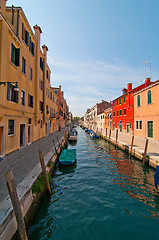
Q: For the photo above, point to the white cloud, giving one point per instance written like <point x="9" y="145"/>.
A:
<point x="87" y="82"/>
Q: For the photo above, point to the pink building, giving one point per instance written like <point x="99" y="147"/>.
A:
<point x="146" y="112"/>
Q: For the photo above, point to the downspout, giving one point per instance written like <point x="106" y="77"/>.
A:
<point x="17" y="33"/>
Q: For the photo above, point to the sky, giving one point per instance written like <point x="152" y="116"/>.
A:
<point x="96" y="47"/>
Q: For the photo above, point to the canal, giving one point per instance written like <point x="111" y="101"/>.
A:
<point x="104" y="196"/>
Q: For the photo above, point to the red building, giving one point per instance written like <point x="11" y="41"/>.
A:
<point x="123" y="113"/>
<point x="62" y="107"/>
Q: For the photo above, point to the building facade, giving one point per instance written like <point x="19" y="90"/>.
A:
<point x="31" y="112"/>
<point x="122" y="108"/>
<point x="146" y="112"/>
<point x="108" y="118"/>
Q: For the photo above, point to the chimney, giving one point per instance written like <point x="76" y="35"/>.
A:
<point x="124" y="90"/>
<point x="129" y="86"/>
<point x="3" y="6"/>
<point x="60" y="87"/>
<point x="147" y="81"/>
<point x="38" y="31"/>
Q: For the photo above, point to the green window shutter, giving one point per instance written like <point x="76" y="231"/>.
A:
<point x="16" y="96"/>
<point x="23" y="31"/>
<point x="26" y="37"/>
<point x="149" y="97"/>
<point x="17" y="56"/>
<point x="12" y="52"/>
<point x="8" y="91"/>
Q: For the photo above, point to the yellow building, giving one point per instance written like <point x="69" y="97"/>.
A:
<point x="30" y="113"/>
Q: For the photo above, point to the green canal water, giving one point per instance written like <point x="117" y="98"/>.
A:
<point x="104" y="196"/>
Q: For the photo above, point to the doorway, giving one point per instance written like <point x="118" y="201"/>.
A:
<point x="1" y="141"/>
<point x="150" y="129"/>
<point x="22" y="135"/>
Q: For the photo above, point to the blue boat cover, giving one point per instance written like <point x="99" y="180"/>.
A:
<point x="156" y="177"/>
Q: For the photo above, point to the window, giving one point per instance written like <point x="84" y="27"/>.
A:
<point x="47" y="74"/>
<point x="47" y="109"/>
<point x="48" y="93"/>
<point x="30" y="73"/>
<point x="12" y="95"/>
<point x="25" y="35"/>
<point x="114" y="104"/>
<point x="10" y="127"/>
<point x="117" y="102"/>
<point x="30" y="101"/>
<point x="123" y="125"/>
<point x="22" y="97"/>
<point x="120" y="101"/>
<point x="124" y="99"/>
<point x="130" y="125"/>
<point x="41" y="123"/>
<point x="41" y="108"/>
<point x="138" y="101"/>
<point x="101" y="117"/>
<point x="23" y="65"/>
<point x="51" y="95"/>
<point x="149" y="97"/>
<point x="15" y="55"/>
<point x="114" y="114"/>
<point x="120" y="112"/>
<point x="41" y="64"/>
<point x="31" y="46"/>
<point x="117" y="112"/>
<point x="124" y="111"/>
<point x="138" y="124"/>
<point x="40" y="84"/>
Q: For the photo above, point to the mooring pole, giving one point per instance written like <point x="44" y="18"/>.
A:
<point x="16" y="205"/>
<point x="109" y="134"/>
<point x="47" y="184"/>
<point x="106" y="134"/>
<point x="132" y="142"/>
<point x="144" y="158"/>
<point x="116" y="138"/>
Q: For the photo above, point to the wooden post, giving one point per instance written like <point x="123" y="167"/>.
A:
<point x="16" y="205"/>
<point x="55" y="147"/>
<point x="109" y="134"/>
<point x="144" y="158"/>
<point x="47" y="184"/>
<point x="116" y="138"/>
<point x="132" y="142"/>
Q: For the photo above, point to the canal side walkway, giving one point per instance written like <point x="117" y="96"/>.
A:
<point x="124" y="141"/>
<point x="22" y="161"/>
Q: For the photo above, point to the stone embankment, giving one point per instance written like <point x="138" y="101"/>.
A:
<point x="26" y="168"/>
<point x="124" y="142"/>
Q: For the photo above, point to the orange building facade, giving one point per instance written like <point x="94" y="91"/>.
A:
<point x="146" y="112"/>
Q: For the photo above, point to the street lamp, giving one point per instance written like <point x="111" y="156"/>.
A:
<point x="16" y="88"/>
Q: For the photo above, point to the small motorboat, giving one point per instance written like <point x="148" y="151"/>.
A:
<point x="86" y="129"/>
<point x="67" y="157"/>
<point x="94" y="135"/>
<point x="73" y="135"/>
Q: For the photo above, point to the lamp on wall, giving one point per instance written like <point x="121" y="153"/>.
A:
<point x="16" y="88"/>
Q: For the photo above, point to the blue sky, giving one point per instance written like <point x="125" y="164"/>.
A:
<point x="96" y="47"/>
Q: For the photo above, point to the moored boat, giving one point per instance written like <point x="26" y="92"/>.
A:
<point x="67" y="157"/>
